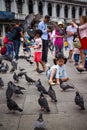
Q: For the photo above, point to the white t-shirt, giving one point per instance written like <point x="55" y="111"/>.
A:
<point x="38" y="42"/>
<point x="72" y="30"/>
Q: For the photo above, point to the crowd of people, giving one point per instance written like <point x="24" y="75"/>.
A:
<point x="55" y="39"/>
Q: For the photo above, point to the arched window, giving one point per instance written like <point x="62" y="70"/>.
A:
<point x="40" y="8"/>
<point x="19" y="6"/>
<point x="49" y="9"/>
<point x="58" y="10"/>
<point x="8" y="5"/>
<point x="30" y="6"/>
<point x="73" y="12"/>
<point x="80" y="11"/>
<point x="66" y="11"/>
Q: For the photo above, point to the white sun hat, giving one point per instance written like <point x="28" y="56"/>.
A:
<point x="60" y="22"/>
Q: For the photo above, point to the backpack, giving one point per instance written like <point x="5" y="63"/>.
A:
<point x="14" y="34"/>
<point x="5" y="40"/>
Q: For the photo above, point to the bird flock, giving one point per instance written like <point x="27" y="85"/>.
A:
<point x="14" y="88"/>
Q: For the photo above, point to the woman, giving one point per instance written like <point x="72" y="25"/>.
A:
<point x="58" y="43"/>
<point x="82" y="31"/>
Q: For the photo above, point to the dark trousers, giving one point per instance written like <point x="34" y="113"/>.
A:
<point x="44" y="50"/>
<point x="16" y="47"/>
<point x="76" y="57"/>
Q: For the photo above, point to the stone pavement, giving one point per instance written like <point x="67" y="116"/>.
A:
<point x="65" y="115"/>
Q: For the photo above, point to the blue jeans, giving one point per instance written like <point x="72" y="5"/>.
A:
<point x="17" y="47"/>
<point x="76" y="57"/>
<point x="10" y="50"/>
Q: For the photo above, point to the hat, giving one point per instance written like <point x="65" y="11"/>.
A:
<point x="60" y="22"/>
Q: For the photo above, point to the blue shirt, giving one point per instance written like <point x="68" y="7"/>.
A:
<point x="60" y="73"/>
<point x="43" y="27"/>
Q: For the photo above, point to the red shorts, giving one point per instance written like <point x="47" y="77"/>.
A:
<point x="37" y="56"/>
<point x="83" y="43"/>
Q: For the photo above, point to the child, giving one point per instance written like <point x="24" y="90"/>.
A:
<point x="76" y="55"/>
<point x="38" y="51"/>
<point x="57" y="71"/>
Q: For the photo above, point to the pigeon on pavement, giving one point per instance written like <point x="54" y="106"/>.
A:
<point x="79" y="101"/>
<point x="1" y="82"/>
<point x="29" y="80"/>
<point x="15" y="77"/>
<point x="39" y="123"/>
<point x="20" y="74"/>
<point x="12" y="105"/>
<point x="65" y="86"/>
<point x="43" y="103"/>
<point x="52" y="94"/>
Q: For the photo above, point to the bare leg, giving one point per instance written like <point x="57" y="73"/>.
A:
<point x="82" y="57"/>
<point x="37" y="65"/>
<point x="53" y="72"/>
<point x="70" y="55"/>
<point x="43" y="65"/>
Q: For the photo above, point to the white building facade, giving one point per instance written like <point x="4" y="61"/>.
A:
<point x="57" y="9"/>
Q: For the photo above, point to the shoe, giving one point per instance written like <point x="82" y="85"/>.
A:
<point x="51" y="82"/>
<point x="39" y="71"/>
<point x="76" y="63"/>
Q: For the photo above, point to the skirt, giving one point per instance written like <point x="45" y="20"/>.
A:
<point x="38" y="56"/>
<point x="83" y="43"/>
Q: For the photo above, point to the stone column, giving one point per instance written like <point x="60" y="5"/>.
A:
<point x="3" y="8"/>
<point x="25" y="8"/>
<point x="14" y="6"/>
<point x="77" y="12"/>
<point x="45" y="9"/>
<point x="54" y="10"/>
<point x="3" y="30"/>
<point x="84" y="11"/>
<point x="62" y="11"/>
<point x="35" y="8"/>
<point x="70" y="12"/>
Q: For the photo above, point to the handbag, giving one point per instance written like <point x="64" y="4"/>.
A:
<point x="3" y="50"/>
<point x="77" y="43"/>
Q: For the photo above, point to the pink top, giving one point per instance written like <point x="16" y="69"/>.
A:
<point x="38" y="45"/>
<point x="82" y="30"/>
<point x="58" y="41"/>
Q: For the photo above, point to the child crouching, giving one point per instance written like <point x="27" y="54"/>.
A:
<point x="57" y="71"/>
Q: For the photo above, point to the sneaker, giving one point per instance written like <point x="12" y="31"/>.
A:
<point x="39" y="71"/>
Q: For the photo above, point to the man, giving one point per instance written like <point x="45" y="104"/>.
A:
<point x="71" y="30"/>
<point x="17" y="42"/>
<point x="43" y="27"/>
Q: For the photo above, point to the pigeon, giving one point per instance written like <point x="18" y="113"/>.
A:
<point x="12" y="70"/>
<point x="14" y="64"/>
<point x="21" y="69"/>
<point x="15" y="89"/>
<point x="80" y="69"/>
<point x="9" y="91"/>
<point x="40" y="87"/>
<point x="29" y="80"/>
<point x="43" y="103"/>
<point x="21" y="74"/>
<point x="65" y="86"/>
<point x="79" y="101"/>
<point x="30" y="62"/>
<point x="1" y="82"/>
<point x="4" y="68"/>
<point x="12" y="105"/>
<point x="39" y="123"/>
<point x="52" y="94"/>
<point x="15" y="77"/>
